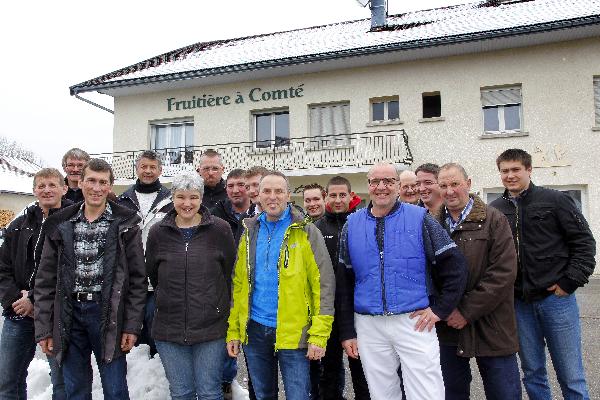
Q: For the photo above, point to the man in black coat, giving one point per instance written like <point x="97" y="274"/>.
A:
<point x="340" y="202"/>
<point x="211" y="170"/>
<point x="19" y="257"/>
<point x="73" y="162"/>
<point x="556" y="255"/>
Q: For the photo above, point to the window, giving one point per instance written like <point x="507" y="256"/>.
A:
<point x="501" y="110"/>
<point x="173" y="139"/>
<point x="385" y="109"/>
<point x="330" y="119"/>
<point x="432" y="105"/>
<point x="597" y="99"/>
<point x="272" y="128"/>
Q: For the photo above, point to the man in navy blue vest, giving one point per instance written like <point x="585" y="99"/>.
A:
<point x="388" y="308"/>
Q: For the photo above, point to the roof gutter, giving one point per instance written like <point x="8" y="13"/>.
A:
<point x="364" y="51"/>
<point x="91" y="102"/>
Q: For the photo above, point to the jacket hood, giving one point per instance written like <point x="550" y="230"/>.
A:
<point x="354" y="202"/>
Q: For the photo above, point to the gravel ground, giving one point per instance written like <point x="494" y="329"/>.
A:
<point x="588" y="298"/>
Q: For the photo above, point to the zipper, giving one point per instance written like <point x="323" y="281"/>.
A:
<point x="382" y="273"/>
<point x="185" y="302"/>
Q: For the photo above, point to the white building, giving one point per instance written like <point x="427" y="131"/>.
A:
<point x="460" y="83"/>
<point x="16" y="184"/>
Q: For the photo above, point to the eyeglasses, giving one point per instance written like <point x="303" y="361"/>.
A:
<point x="386" y="182"/>
<point x="412" y="187"/>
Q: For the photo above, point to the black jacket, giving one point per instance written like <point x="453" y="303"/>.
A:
<point x="73" y="195"/>
<point x="331" y="225"/>
<point x="20" y="254"/>
<point x="224" y="210"/>
<point x="124" y="283"/>
<point x="192" y="280"/>
<point x="212" y="195"/>
<point x="553" y="240"/>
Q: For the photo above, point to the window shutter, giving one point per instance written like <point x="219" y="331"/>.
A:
<point x="597" y="98"/>
<point x="500" y="97"/>
<point x="330" y="119"/>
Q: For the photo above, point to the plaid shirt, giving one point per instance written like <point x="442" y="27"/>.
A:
<point x="461" y="217"/>
<point x="89" y="244"/>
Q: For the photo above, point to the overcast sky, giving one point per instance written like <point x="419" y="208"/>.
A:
<point x="48" y="46"/>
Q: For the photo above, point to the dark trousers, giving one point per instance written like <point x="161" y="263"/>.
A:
<point x="500" y="375"/>
<point x="85" y="338"/>
<point x="145" y="335"/>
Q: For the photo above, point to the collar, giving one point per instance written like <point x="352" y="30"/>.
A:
<point x="393" y="210"/>
<point x="141" y="187"/>
<point x="461" y="217"/>
<point x="107" y="214"/>
<point x="285" y="215"/>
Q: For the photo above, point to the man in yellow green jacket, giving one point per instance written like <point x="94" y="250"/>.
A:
<point x="283" y="293"/>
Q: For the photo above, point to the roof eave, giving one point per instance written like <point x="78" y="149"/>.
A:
<point x="358" y="52"/>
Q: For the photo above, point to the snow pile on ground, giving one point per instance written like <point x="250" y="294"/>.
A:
<point x="145" y="378"/>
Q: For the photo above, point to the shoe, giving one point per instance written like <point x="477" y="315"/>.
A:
<point x="227" y="393"/>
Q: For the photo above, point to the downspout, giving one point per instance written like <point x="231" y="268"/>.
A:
<point x="92" y="103"/>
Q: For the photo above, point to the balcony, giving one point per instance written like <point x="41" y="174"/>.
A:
<point x="297" y="156"/>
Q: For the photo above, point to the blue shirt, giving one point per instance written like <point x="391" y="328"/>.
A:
<point x="266" y="274"/>
<point x="461" y="217"/>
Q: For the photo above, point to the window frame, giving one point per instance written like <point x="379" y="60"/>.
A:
<point x="386" y="114"/>
<point x="596" y="99"/>
<point x="173" y="154"/>
<point x="431" y="94"/>
<point x="272" y="112"/>
<point x="500" y="110"/>
<point x="328" y="137"/>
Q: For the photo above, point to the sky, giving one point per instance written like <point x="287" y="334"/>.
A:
<point x="47" y="46"/>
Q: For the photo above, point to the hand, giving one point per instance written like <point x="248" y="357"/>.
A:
<point x="557" y="290"/>
<point x="315" y="352"/>
<point x="47" y="346"/>
<point x="456" y="320"/>
<point x="427" y="319"/>
<point x="233" y="348"/>
<point x="23" y="306"/>
<point x="127" y="341"/>
<point x="351" y="347"/>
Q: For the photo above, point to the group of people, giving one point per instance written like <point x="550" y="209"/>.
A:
<point x="410" y="287"/>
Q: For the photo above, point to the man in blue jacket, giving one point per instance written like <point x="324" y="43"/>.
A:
<point x="388" y="252"/>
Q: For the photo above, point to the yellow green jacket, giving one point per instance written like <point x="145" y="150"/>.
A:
<point x="306" y="286"/>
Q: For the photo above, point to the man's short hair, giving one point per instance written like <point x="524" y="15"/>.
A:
<point x="98" y="165"/>
<point x="429" y="168"/>
<point x="339" y="180"/>
<point x="236" y="173"/>
<point x="279" y="174"/>
<point x="515" y="155"/>
<point x="48" y="173"/>
<point x="459" y="167"/>
<point x="77" y="154"/>
<point x="256" y="171"/>
<point x="210" y="153"/>
<point x="314" y="186"/>
<point x="150" y="155"/>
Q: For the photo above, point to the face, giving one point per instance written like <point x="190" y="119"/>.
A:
<point x="314" y="203"/>
<point x="252" y="185"/>
<point x="95" y="187"/>
<point x="383" y="187"/>
<point x="515" y="177"/>
<point x="409" y="188"/>
<point x="211" y="170"/>
<point x="236" y="191"/>
<point x="73" y="169"/>
<point x="454" y="189"/>
<point x="49" y="191"/>
<point x="274" y="196"/>
<point x="187" y="203"/>
<point x="148" y="170"/>
<point x="338" y="198"/>
<point x="428" y="188"/>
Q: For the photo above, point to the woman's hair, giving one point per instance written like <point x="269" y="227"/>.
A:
<point x="188" y="181"/>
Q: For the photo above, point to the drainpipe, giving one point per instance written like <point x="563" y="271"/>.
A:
<point x="92" y="103"/>
<point x="378" y="14"/>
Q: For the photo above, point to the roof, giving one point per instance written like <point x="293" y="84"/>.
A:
<point x="478" y="21"/>
<point x="16" y="175"/>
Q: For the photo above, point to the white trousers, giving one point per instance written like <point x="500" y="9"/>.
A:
<point x="385" y="341"/>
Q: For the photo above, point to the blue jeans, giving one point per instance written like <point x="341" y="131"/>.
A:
<point x="229" y="369"/>
<point x="500" y="375"/>
<point x="193" y="371"/>
<point x="17" y="349"/>
<point x="85" y="338"/>
<point x="553" y="321"/>
<point x="262" y="363"/>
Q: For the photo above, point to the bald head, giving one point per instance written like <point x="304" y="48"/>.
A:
<point x="408" y="187"/>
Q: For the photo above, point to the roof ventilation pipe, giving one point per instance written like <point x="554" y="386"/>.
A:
<point x="378" y="14"/>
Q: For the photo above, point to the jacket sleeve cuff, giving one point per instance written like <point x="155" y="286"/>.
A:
<point x="440" y="312"/>
<point x="567" y="284"/>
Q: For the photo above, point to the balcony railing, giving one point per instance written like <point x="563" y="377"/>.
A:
<point x="295" y="154"/>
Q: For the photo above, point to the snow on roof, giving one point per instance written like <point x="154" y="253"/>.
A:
<point x="16" y="175"/>
<point x="426" y="28"/>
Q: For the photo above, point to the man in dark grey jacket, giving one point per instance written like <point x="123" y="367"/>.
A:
<point x="91" y="285"/>
<point x="555" y="250"/>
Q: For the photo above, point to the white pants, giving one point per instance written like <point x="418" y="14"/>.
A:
<point x="386" y="341"/>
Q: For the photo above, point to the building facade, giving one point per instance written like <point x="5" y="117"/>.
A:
<point x="457" y="84"/>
